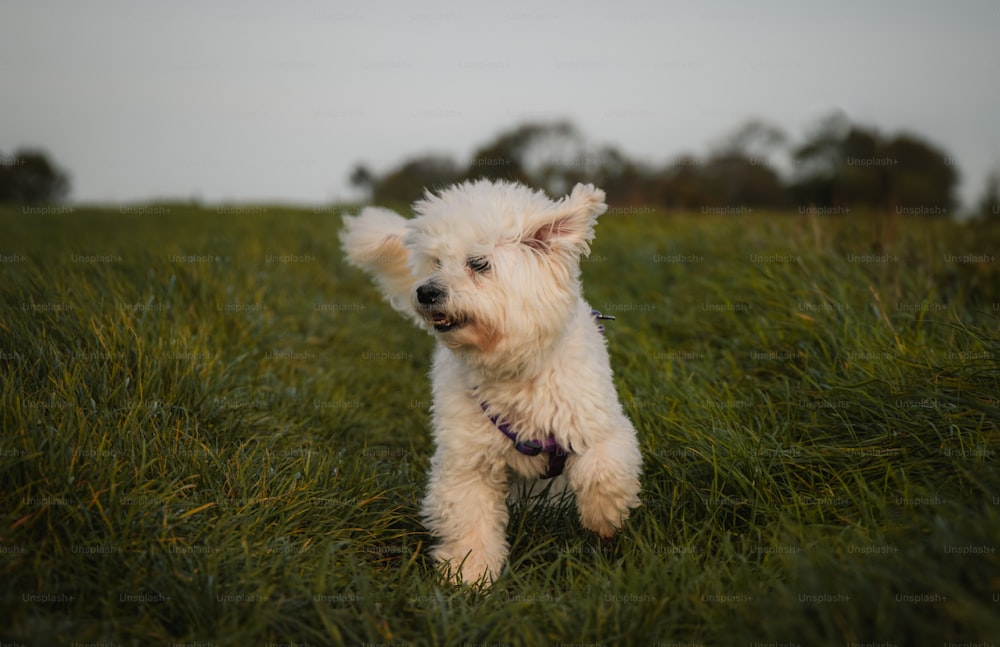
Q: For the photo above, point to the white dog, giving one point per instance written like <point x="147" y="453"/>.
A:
<point x="521" y="379"/>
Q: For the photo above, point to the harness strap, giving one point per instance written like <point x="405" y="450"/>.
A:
<point x="557" y="455"/>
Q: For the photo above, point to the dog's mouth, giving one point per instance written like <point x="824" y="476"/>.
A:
<point x="442" y="321"/>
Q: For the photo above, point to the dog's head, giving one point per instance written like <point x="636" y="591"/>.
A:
<point x="496" y="265"/>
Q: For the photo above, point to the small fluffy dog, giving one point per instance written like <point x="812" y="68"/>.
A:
<point x="521" y="378"/>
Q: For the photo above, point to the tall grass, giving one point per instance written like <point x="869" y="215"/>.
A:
<point x="215" y="432"/>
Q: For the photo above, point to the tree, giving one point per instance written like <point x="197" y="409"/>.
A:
<point x="755" y="139"/>
<point x="362" y="177"/>
<point x="28" y="177"/>
<point x="923" y="179"/>
<point x="606" y="167"/>
<point x="839" y="164"/>
<point x="620" y="177"/>
<point x="731" y="179"/>
<point x="989" y="204"/>
<point x="536" y="154"/>
<point x="738" y="172"/>
<point x="408" y="182"/>
<point x="677" y="185"/>
<point x="842" y="164"/>
<point x="521" y="154"/>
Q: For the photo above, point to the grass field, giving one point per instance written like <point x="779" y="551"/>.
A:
<point x="213" y="432"/>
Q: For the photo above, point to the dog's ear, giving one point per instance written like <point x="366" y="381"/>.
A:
<point x="569" y="227"/>
<point x="373" y="242"/>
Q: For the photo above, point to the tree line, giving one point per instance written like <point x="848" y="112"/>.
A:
<point x="838" y="167"/>
<point x="30" y="177"/>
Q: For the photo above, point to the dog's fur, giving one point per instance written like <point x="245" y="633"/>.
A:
<point x="492" y="270"/>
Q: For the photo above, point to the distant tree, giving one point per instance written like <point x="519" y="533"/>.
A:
<point x="407" y="183"/>
<point x="606" y="167"/>
<point x="544" y="155"/>
<point x="863" y="177"/>
<point x="989" y="203"/>
<point x="29" y="177"/>
<point x="362" y="177"/>
<point x="739" y="171"/>
<point x="679" y="185"/>
<point x="624" y="180"/>
<point x="923" y="179"/>
<point x="822" y="174"/>
<point x="521" y="154"/>
<point x="842" y="164"/>
<point x="820" y="147"/>
<point x="732" y="179"/>
<point x="838" y="164"/>
<point x="755" y="139"/>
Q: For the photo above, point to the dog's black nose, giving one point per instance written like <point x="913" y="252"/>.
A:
<point x="429" y="294"/>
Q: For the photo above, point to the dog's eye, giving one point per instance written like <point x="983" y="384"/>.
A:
<point x="436" y="263"/>
<point x="478" y="264"/>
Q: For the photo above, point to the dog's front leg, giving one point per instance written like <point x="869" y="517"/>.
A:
<point x="466" y="509"/>
<point x="605" y="481"/>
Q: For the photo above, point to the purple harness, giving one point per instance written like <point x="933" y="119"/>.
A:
<point x="557" y="455"/>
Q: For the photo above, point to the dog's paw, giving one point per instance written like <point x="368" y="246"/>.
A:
<point x="471" y="571"/>
<point x="606" y="512"/>
<point x="602" y="525"/>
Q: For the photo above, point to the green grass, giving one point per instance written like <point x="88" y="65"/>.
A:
<point x="231" y="448"/>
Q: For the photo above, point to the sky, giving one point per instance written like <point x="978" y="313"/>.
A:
<point x="255" y="101"/>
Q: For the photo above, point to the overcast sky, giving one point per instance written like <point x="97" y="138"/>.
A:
<point x="249" y="101"/>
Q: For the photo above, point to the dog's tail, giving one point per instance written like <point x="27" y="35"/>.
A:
<point x="373" y="242"/>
